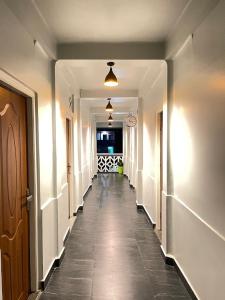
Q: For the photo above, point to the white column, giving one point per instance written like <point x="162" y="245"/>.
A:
<point x="79" y="145"/>
<point x="94" y="148"/>
<point x="139" y="193"/>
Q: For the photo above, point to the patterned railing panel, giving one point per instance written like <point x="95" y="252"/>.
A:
<point x="108" y="163"/>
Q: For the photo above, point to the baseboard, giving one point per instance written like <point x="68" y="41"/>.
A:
<point x="59" y="259"/>
<point x="66" y="237"/>
<point x="172" y="262"/>
<point x="80" y="209"/>
<point x="168" y="260"/>
<point x="87" y="191"/>
<point x="45" y="281"/>
<point x="141" y="207"/>
<point x="56" y="263"/>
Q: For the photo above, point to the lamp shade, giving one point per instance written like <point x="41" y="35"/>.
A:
<point x="111" y="79"/>
<point x="110" y="124"/>
<point x="109" y="107"/>
<point x="110" y="118"/>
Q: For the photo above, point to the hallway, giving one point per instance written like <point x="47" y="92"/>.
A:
<point x="112" y="252"/>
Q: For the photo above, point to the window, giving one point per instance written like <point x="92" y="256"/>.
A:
<point x="109" y="140"/>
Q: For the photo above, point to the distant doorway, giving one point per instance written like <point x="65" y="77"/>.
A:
<point x="109" y="148"/>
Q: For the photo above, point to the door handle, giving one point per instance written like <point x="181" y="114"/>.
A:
<point x="29" y="199"/>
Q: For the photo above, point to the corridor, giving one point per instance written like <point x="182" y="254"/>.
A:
<point x="112" y="252"/>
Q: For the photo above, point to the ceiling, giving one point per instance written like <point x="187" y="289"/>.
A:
<point x="90" y="74"/>
<point x="122" y="106"/>
<point x="110" y="21"/>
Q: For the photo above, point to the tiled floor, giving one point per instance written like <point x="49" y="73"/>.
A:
<point x="112" y="252"/>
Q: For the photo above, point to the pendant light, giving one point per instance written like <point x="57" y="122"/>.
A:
<point x="111" y="79"/>
<point x="110" y="124"/>
<point x="110" y="118"/>
<point x="109" y="107"/>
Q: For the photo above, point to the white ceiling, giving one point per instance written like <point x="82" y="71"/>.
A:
<point x="110" y="21"/>
<point x="121" y="103"/>
<point x="90" y="74"/>
<point x="122" y="106"/>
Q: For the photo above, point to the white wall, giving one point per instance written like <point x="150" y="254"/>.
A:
<point x="198" y="146"/>
<point x="193" y="192"/>
<point x="66" y="90"/>
<point x="86" y="123"/>
<point x="29" y="64"/>
<point x="153" y="95"/>
<point x="130" y="153"/>
<point x="93" y="154"/>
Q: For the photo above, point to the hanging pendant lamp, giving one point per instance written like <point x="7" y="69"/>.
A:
<point x="110" y="124"/>
<point x="110" y="118"/>
<point x="109" y="107"/>
<point x="111" y="79"/>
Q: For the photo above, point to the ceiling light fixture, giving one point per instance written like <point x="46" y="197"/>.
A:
<point x="110" y="124"/>
<point x="110" y="118"/>
<point x="111" y="79"/>
<point x="109" y="107"/>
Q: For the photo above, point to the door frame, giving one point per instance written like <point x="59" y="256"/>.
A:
<point x="159" y="169"/>
<point x="68" y="115"/>
<point x="17" y="86"/>
<point x="69" y="152"/>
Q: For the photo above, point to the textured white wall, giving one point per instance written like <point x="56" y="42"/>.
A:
<point x="30" y="65"/>
<point x="198" y="147"/>
<point x="153" y="94"/>
<point x="195" y="207"/>
<point x="66" y="89"/>
<point x="86" y="145"/>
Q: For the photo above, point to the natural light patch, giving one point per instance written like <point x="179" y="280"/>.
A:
<point x="147" y="151"/>
<point x="181" y="146"/>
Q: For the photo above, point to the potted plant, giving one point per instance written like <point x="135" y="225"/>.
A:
<point x="120" y="166"/>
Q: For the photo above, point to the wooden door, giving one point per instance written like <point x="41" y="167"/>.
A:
<point x="68" y="155"/>
<point x="13" y="188"/>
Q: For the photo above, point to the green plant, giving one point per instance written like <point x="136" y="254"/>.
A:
<point x="120" y="163"/>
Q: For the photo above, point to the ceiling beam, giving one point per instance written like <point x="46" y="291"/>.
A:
<point x="116" y="124"/>
<point x="30" y="17"/>
<point x="151" y="50"/>
<point x="116" y="111"/>
<point x="108" y="93"/>
<point x="116" y="118"/>
<point x="192" y="16"/>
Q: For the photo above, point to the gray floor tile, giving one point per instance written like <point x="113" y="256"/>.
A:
<point x="112" y="252"/>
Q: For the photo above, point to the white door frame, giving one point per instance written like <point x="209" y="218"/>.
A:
<point x="15" y="85"/>
<point x="158" y="171"/>
<point x="67" y="114"/>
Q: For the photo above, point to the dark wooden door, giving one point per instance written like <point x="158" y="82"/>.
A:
<point x="13" y="188"/>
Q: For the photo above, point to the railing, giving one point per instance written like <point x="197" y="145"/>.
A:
<point x="107" y="163"/>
